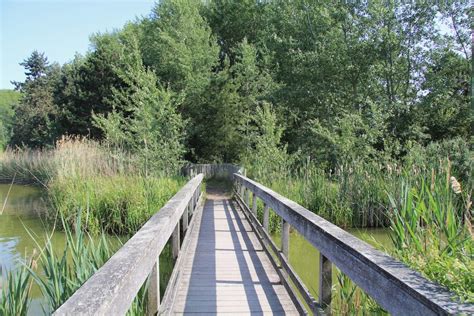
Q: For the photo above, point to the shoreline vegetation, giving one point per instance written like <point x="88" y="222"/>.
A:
<point x="359" y="111"/>
<point x="92" y="191"/>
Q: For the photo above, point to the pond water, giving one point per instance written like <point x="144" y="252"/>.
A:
<point x="21" y="207"/>
<point x="20" y="219"/>
<point x="22" y="227"/>
<point x="304" y="258"/>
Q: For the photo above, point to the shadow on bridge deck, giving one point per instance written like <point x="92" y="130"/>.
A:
<point x="226" y="269"/>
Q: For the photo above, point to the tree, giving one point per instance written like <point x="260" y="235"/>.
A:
<point x="86" y="83"/>
<point x="222" y="127"/>
<point x="34" y="121"/>
<point x="144" y="119"/>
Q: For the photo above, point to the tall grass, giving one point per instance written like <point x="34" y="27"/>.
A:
<point x="350" y="196"/>
<point x="72" y="156"/>
<point x="426" y="207"/>
<point x="79" y="174"/>
<point x="116" y="204"/>
<point x="59" y="275"/>
<point x="431" y="231"/>
<point x="15" y="297"/>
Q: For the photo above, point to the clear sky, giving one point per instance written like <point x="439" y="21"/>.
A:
<point x="59" y="28"/>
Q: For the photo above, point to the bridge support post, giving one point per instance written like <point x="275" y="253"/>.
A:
<point x="285" y="238"/>
<point x="186" y="219"/>
<point x="154" y="289"/>
<point x="175" y="242"/>
<point x="325" y="281"/>
<point x="247" y="197"/>
<point x="254" y="202"/>
<point x="266" y="217"/>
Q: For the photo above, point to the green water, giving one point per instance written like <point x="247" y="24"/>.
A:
<point x="19" y="217"/>
<point x="304" y="258"/>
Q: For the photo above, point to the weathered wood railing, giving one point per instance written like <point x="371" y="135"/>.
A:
<point x="112" y="289"/>
<point x="396" y="288"/>
<point x="219" y="170"/>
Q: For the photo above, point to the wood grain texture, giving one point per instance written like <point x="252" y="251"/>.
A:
<point x="225" y="269"/>
<point x="111" y="290"/>
<point x="398" y="289"/>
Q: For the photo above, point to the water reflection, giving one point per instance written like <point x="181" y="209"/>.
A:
<point x="304" y="257"/>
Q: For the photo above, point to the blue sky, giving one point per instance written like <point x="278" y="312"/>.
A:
<point x="60" y="28"/>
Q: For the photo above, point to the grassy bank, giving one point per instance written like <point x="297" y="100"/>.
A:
<point x="426" y="205"/>
<point x="116" y="204"/>
<point x="92" y="191"/>
<point x="117" y="192"/>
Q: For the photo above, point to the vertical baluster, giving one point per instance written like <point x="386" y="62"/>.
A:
<point x="247" y="197"/>
<point x="266" y="217"/>
<point x="175" y="242"/>
<point x="196" y="197"/>
<point x="254" y="206"/>
<point x="285" y="238"/>
<point x="325" y="281"/>
<point x="186" y="219"/>
<point x="154" y="289"/>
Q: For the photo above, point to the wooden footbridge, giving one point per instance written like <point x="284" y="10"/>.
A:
<point x="226" y="261"/>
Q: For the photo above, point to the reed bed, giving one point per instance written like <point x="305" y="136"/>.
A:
<point x="117" y="204"/>
<point x="72" y="156"/>
<point x="431" y="230"/>
<point x="59" y="275"/>
<point x="427" y="207"/>
<point x="118" y="192"/>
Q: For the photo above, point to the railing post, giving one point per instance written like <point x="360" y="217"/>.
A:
<point x="154" y="289"/>
<point x="254" y="206"/>
<point x="285" y="238"/>
<point x="186" y="219"/>
<point x="266" y="217"/>
<point x="175" y="242"/>
<point x="325" y="281"/>
<point x="196" y="196"/>
<point x="247" y="197"/>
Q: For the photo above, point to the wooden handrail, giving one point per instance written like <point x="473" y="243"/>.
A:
<point x="111" y="290"/>
<point x="217" y="170"/>
<point x="397" y="288"/>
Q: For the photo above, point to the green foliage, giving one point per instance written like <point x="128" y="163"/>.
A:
<point x="115" y="204"/>
<point x="431" y="231"/>
<point x="8" y="100"/>
<point x="144" y="119"/>
<point x="15" y="297"/>
<point x="36" y="113"/>
<point x="351" y="81"/>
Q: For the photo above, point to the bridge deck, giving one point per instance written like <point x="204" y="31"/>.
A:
<point x="225" y="269"/>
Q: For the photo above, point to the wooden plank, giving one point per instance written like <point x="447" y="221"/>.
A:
<point x="266" y="217"/>
<point x="225" y="264"/>
<point x="154" y="289"/>
<point x="286" y="270"/>
<point x="394" y="286"/>
<point x="170" y="293"/>
<point x="285" y="238"/>
<point x="111" y="290"/>
<point x="325" y="281"/>
<point x="175" y="242"/>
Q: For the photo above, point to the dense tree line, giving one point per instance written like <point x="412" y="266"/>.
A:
<point x="244" y="80"/>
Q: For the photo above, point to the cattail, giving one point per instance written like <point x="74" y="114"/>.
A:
<point x="455" y="185"/>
